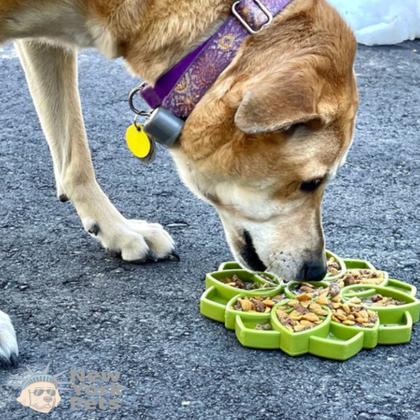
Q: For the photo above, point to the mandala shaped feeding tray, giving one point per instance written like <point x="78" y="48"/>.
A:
<point x="355" y="307"/>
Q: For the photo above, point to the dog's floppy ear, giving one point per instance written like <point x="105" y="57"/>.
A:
<point x="279" y="101"/>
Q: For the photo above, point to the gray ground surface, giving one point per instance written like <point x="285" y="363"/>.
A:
<point x="75" y="306"/>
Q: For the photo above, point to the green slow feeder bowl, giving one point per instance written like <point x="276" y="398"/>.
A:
<point x="218" y="293"/>
<point x="260" y="317"/>
<point x="330" y="339"/>
<point x="218" y="279"/>
<point x="230" y="265"/>
<point x="401" y="286"/>
<point x="351" y="264"/>
<point x="395" y="321"/>
<point x="297" y="343"/>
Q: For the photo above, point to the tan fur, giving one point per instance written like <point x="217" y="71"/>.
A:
<point x="242" y="148"/>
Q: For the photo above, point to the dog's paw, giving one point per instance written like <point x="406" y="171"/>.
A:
<point x="134" y="240"/>
<point x="8" y="344"/>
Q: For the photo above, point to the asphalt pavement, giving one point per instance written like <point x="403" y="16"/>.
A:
<point x="74" y="306"/>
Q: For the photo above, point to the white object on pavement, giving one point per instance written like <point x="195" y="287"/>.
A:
<point x="381" y="22"/>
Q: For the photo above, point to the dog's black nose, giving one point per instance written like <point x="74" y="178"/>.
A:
<point x="313" y="270"/>
<point x="250" y="256"/>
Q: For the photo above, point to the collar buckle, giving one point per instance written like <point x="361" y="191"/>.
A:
<point x="260" y="8"/>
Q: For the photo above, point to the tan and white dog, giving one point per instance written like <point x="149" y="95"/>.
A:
<point x="260" y="146"/>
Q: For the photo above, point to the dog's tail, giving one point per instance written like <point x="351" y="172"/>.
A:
<point x="8" y="345"/>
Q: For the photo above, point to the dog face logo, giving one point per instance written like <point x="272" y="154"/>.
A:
<point x="40" y="393"/>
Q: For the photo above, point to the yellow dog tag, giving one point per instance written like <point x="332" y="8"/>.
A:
<point x="139" y="142"/>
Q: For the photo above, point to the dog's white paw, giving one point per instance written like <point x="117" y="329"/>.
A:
<point x="135" y="240"/>
<point x="8" y="344"/>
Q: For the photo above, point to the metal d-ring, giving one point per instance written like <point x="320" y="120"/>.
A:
<point x="136" y="123"/>
<point x="131" y="97"/>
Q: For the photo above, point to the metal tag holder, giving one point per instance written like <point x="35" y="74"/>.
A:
<point x="164" y="127"/>
<point x="160" y="124"/>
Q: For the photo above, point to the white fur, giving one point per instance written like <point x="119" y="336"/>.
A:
<point x="135" y="239"/>
<point x="8" y="343"/>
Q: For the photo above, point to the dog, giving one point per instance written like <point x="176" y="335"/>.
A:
<point x="260" y="146"/>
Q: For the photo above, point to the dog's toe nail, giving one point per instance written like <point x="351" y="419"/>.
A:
<point x="14" y="360"/>
<point x="151" y="257"/>
<point x="148" y="258"/>
<point x="94" y="229"/>
<point x="63" y="198"/>
<point x="115" y="254"/>
<point x="174" y="257"/>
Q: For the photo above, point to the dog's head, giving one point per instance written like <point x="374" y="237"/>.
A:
<point x="269" y="136"/>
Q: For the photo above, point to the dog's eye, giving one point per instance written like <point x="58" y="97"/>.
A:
<point x="312" y="185"/>
<point x="291" y="129"/>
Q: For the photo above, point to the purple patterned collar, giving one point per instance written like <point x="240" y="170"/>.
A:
<point x="182" y="87"/>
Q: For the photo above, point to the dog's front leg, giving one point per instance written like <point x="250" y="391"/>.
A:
<point x="51" y="72"/>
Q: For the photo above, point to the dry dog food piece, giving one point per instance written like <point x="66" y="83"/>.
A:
<point x="353" y="313"/>
<point x="334" y="290"/>
<point x="305" y="288"/>
<point x="257" y="303"/>
<point x="322" y="295"/>
<point x="363" y="276"/>
<point x="333" y="266"/>
<point x="300" y="316"/>
<point x="243" y="284"/>
<point x="379" y="300"/>
<point x="308" y="290"/>
<point x="318" y="309"/>
<point x="264" y="327"/>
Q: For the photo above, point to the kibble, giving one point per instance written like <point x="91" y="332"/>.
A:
<point x="364" y="276"/>
<point x="353" y="313"/>
<point x="262" y="304"/>
<point x="298" y="316"/>
<point x="333" y="266"/>
<point x="244" y="284"/>
<point x="380" y="300"/>
<point x="321" y="295"/>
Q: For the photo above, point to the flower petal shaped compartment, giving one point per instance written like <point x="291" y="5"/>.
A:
<point x="356" y="306"/>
